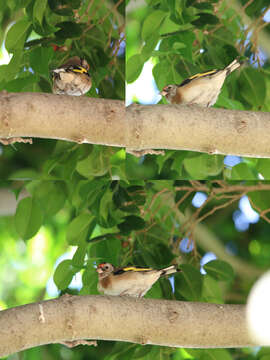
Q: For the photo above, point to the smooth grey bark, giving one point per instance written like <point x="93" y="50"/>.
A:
<point x="142" y="321"/>
<point x="138" y="127"/>
<point x="82" y="119"/>
<point x="209" y="130"/>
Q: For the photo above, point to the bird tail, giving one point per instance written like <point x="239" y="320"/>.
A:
<point x="169" y="270"/>
<point x="233" y="66"/>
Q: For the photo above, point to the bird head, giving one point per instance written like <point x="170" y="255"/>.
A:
<point x="105" y="268"/>
<point x="168" y="91"/>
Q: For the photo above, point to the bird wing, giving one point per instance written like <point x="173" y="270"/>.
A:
<point x="197" y="76"/>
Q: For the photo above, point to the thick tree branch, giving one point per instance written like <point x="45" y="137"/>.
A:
<point x="139" y="127"/>
<point x="214" y="131"/>
<point x="83" y="119"/>
<point x="143" y="321"/>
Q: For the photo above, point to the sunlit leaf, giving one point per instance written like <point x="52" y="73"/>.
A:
<point x="28" y="217"/>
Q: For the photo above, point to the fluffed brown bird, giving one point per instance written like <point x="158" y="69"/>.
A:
<point x="72" y="78"/>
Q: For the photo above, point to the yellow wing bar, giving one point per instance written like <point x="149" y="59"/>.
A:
<point x="80" y="70"/>
<point x="132" y="268"/>
<point x="203" y="74"/>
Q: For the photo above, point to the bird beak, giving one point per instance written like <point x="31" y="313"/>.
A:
<point x="163" y="93"/>
<point x="99" y="270"/>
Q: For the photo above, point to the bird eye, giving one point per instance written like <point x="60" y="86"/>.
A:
<point x="106" y="267"/>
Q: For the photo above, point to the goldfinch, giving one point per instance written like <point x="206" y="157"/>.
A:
<point x="201" y="89"/>
<point x="72" y="78"/>
<point x="129" y="281"/>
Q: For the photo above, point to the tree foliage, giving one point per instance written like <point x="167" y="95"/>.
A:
<point x="81" y="204"/>
<point x="147" y="223"/>
<point x="182" y="38"/>
<point x="42" y="35"/>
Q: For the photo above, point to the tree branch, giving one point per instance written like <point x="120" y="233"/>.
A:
<point x="82" y="119"/>
<point x="140" y="127"/>
<point x="142" y="321"/>
<point x="208" y="241"/>
<point x="214" y="131"/>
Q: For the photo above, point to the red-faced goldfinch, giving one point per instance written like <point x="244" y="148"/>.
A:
<point x="72" y="78"/>
<point x="201" y="89"/>
<point x="130" y="280"/>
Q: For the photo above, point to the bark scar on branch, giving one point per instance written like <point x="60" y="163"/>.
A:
<point x="41" y="317"/>
<point x="16" y="139"/>
<point x="71" y="344"/>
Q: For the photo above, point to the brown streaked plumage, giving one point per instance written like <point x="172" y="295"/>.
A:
<point x="72" y="78"/>
<point x="130" y="280"/>
<point x="201" y="89"/>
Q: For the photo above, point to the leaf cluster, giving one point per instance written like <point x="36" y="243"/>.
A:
<point x="41" y="35"/>
<point x="135" y="222"/>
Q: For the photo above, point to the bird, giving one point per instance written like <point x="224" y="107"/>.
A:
<point x="201" y="89"/>
<point x="131" y="281"/>
<point x="72" y="78"/>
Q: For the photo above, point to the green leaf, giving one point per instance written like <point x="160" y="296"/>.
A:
<point x="142" y="351"/>
<point x="187" y="38"/>
<point x="224" y="102"/>
<point x="106" y="251"/>
<point x="39" y="59"/>
<point x="121" y="196"/>
<point x="96" y="164"/>
<point x="25" y="174"/>
<point x="130" y="223"/>
<point x="106" y="204"/>
<point x="134" y="67"/>
<point x="10" y="71"/>
<point x="51" y="195"/>
<point x="28" y="217"/>
<point x="203" y="6"/>
<point x="159" y="74"/>
<point x="164" y="75"/>
<point x="242" y="172"/>
<point x="20" y="84"/>
<point x="178" y="46"/>
<point x="252" y="86"/>
<point x="149" y="46"/>
<point x="16" y="35"/>
<point x="211" y="291"/>
<point x="78" y="228"/>
<point x="89" y="280"/>
<point x="189" y="283"/>
<point x="204" y="20"/>
<point x="39" y="10"/>
<point x="254" y="9"/>
<point x="169" y="26"/>
<point x="79" y="256"/>
<point x="263" y="167"/>
<point x="264" y="352"/>
<point x="219" y="270"/>
<point x="207" y="354"/>
<point x="91" y="190"/>
<point x="155" y="291"/>
<point x="203" y="165"/>
<point x="63" y="274"/>
<point x="68" y="30"/>
<point x="104" y="237"/>
<point x="152" y="23"/>
<point x="142" y="255"/>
